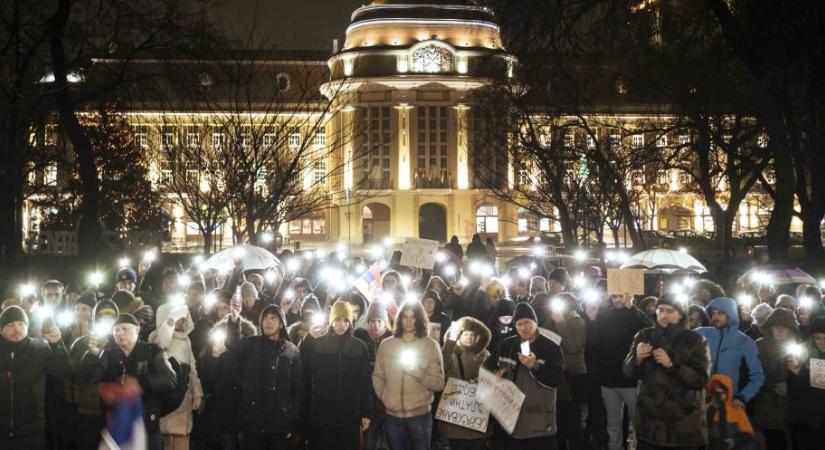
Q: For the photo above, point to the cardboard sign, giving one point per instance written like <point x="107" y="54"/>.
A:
<point x="460" y="406"/>
<point x="626" y="281"/>
<point x="818" y="373"/>
<point x="419" y="253"/>
<point x="501" y="397"/>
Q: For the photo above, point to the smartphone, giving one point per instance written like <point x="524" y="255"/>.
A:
<point x="525" y="348"/>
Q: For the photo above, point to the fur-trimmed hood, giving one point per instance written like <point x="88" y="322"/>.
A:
<point x="468" y="323"/>
<point x="247" y="328"/>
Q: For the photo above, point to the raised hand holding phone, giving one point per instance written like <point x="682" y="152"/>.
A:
<point x="236" y="304"/>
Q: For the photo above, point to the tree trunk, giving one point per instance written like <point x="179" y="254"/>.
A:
<point x="782" y="213"/>
<point x="207" y="241"/>
<point x="89" y="226"/>
<point x="723" y="224"/>
<point x="811" y="234"/>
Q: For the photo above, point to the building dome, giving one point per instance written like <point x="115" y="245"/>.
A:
<point x="426" y="37"/>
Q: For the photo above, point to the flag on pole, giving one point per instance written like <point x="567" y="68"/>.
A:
<point x="370" y="281"/>
<point x="124" y="421"/>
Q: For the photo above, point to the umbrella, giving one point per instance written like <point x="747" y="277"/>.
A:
<point x="254" y="258"/>
<point x="776" y="275"/>
<point x="661" y="258"/>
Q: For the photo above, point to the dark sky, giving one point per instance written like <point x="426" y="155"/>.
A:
<point x="304" y="24"/>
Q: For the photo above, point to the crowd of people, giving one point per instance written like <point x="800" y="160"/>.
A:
<point x="306" y="355"/>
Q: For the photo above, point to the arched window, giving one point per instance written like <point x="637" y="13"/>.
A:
<point x="487" y="219"/>
<point x="432" y="59"/>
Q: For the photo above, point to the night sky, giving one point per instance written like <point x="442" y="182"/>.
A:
<point x="304" y="24"/>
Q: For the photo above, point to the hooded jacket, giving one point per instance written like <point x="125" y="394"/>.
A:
<point x="23" y="369"/>
<point x="538" y="412"/>
<point x="406" y="394"/>
<point x="271" y="379"/>
<point x="770" y="404"/>
<point x="338" y="376"/>
<point x="176" y="344"/>
<point x="670" y="404"/>
<point x="439" y="318"/>
<point x="464" y="363"/>
<point x="729" y="346"/>
<point x="726" y="422"/>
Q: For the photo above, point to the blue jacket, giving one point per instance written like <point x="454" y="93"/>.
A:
<point x="729" y="346"/>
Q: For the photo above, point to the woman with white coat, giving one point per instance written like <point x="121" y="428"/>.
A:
<point x="172" y="335"/>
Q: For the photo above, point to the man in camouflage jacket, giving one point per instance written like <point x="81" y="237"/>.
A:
<point x="673" y="365"/>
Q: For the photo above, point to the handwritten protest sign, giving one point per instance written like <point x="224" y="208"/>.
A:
<point x="818" y="373"/>
<point x="501" y="397"/>
<point x="626" y="281"/>
<point x="460" y="406"/>
<point x="419" y="253"/>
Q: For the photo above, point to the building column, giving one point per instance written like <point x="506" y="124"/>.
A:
<point x="462" y="148"/>
<point x="403" y="146"/>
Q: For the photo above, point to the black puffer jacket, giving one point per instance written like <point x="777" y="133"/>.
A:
<point x="23" y="369"/>
<point x="339" y="380"/>
<point x="148" y="364"/>
<point x="612" y="336"/>
<point x="271" y="381"/>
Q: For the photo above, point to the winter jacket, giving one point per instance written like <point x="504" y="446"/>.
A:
<point x="149" y="365"/>
<point x="670" y="404"/>
<point x="806" y="411"/>
<point x="271" y="381"/>
<point x="176" y="345"/>
<point x="463" y="363"/>
<point x="770" y="404"/>
<point x="23" y="369"/>
<point x="729" y="346"/>
<point x="406" y="394"/>
<point x="612" y="335"/>
<point x="726" y="423"/>
<point x="372" y="345"/>
<point x="86" y="394"/>
<point x="499" y="321"/>
<point x="573" y="332"/>
<point x="339" y="384"/>
<point x="220" y="378"/>
<point x="538" y="412"/>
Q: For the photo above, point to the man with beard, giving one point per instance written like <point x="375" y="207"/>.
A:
<point x="673" y="365"/>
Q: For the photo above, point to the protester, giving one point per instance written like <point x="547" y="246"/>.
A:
<point x="613" y="331"/>
<point x="565" y="321"/>
<point x="135" y="362"/>
<point x="408" y="369"/>
<point x="729" y="427"/>
<point x="476" y="249"/>
<point x="806" y="416"/>
<point x="729" y="347"/>
<point x="759" y="314"/>
<point x="770" y="404"/>
<point x="338" y="377"/>
<point x="439" y="322"/>
<point x="310" y="320"/>
<point x="455" y="248"/>
<point x="376" y="332"/>
<point x="24" y="363"/>
<point x="672" y="364"/>
<point x="537" y="375"/>
<point x="465" y="352"/>
<point x="272" y="380"/>
<point x="174" y="323"/>
<point x="697" y="317"/>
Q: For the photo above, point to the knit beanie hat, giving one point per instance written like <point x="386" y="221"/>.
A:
<point x="817" y="326"/>
<point x="248" y="290"/>
<point x="340" y="310"/>
<point x="673" y="301"/>
<point x="123" y="299"/>
<point x="88" y="298"/>
<point x="13" y="314"/>
<point x="761" y="312"/>
<point x="377" y="311"/>
<point x="105" y="308"/>
<point x="524" y="311"/>
<point x="126" y="274"/>
<point x="560" y="275"/>
<point x="127" y="318"/>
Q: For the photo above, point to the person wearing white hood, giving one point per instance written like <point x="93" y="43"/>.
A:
<point x="172" y="335"/>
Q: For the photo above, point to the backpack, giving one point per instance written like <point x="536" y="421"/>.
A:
<point x="173" y="400"/>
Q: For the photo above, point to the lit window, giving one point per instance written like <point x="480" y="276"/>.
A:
<point x="544" y="224"/>
<point x="762" y="140"/>
<point x="217" y="139"/>
<point x="638" y="140"/>
<point x="269" y="140"/>
<point x="193" y="138"/>
<point x="661" y="177"/>
<point x="51" y="134"/>
<point x="569" y="140"/>
<point x="591" y="143"/>
<point x="684" y="178"/>
<point x="661" y="141"/>
<point x="168" y="136"/>
<point x="294" y="140"/>
<point x="615" y="141"/>
<point x="319" y="171"/>
<point x="320" y="140"/>
<point x="246" y="136"/>
<point x="142" y="136"/>
<point x="684" y="140"/>
<point x="522" y="225"/>
<point x="166" y="172"/>
<point x="487" y="219"/>
<point x="50" y="175"/>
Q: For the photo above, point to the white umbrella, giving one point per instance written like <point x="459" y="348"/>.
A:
<point x="661" y="258"/>
<point x="253" y="258"/>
